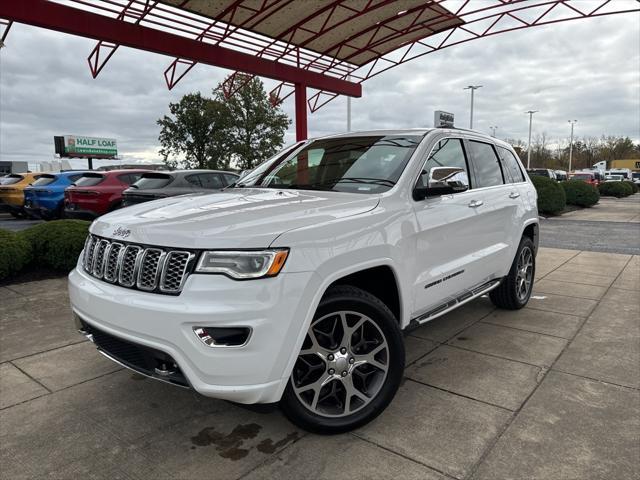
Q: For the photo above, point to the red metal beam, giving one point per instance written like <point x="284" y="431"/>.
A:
<point x="74" y="21"/>
<point x="301" y="112"/>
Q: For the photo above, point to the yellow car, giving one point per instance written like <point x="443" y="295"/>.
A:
<point x="12" y="192"/>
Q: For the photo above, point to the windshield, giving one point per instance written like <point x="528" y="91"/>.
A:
<point x="10" y="179"/>
<point x="153" y="180"/>
<point x="89" y="180"/>
<point x="251" y="176"/>
<point x="370" y="164"/>
<point x="44" y="180"/>
<point x="636" y="174"/>
<point x="581" y="176"/>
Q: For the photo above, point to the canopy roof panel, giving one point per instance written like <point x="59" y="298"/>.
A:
<point x="330" y="46"/>
<point x="353" y="31"/>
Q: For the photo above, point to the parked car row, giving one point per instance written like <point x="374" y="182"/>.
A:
<point x="12" y="192"/>
<point x="558" y="175"/>
<point x="89" y="194"/>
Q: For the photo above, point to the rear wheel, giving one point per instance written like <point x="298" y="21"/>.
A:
<point x="514" y="291"/>
<point x="350" y="365"/>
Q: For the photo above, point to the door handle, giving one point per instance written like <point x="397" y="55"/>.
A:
<point x="475" y="203"/>
<point x="514" y="195"/>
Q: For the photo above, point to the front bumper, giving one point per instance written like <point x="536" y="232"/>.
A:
<point x="276" y="309"/>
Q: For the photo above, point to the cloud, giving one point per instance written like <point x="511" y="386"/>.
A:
<point x="587" y="70"/>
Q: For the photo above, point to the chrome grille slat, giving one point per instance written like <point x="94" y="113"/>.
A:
<point x="148" y="270"/>
<point x="112" y="262"/>
<point x="128" y="267"/>
<point x="98" y="258"/>
<point x="151" y="269"/>
<point x="173" y="272"/>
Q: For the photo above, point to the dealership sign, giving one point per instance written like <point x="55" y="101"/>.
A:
<point x="78" y="146"/>
<point x="442" y="119"/>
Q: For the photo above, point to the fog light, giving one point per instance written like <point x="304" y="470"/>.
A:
<point x="223" y="336"/>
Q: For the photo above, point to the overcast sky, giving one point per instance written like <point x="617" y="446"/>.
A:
<point x="587" y="70"/>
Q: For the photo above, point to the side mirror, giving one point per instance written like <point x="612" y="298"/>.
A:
<point x="442" y="181"/>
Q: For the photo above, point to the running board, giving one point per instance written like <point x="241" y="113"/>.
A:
<point x="460" y="300"/>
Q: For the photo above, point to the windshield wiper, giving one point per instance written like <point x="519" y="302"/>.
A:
<point x="374" y="181"/>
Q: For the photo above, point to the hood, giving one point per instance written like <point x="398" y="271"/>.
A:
<point x="237" y="218"/>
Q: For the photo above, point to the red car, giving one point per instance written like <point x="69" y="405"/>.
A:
<point x="588" y="177"/>
<point x="96" y="193"/>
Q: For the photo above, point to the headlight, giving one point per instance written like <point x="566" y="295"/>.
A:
<point x="243" y="265"/>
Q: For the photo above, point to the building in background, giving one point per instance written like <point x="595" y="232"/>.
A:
<point x="7" y="167"/>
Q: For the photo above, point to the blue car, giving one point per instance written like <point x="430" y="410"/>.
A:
<point x="44" y="198"/>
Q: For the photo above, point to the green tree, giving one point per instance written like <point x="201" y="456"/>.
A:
<point x="253" y="128"/>
<point x="195" y="132"/>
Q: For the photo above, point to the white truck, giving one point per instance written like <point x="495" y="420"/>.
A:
<point x="295" y="284"/>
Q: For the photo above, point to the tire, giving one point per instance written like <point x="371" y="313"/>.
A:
<point x="16" y="215"/>
<point x="337" y="363"/>
<point x="510" y="294"/>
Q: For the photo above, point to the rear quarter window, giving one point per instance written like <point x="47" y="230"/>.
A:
<point x="89" y="180"/>
<point x="510" y="165"/>
<point x="11" y="179"/>
<point x="44" y="180"/>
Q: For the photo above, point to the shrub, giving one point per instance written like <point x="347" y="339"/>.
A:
<point x="634" y="187"/>
<point x="57" y="244"/>
<point x="613" y="189"/>
<point x="551" y="196"/>
<point x="15" y="253"/>
<point x="580" y="193"/>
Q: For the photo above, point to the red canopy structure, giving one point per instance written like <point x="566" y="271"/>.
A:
<point x="329" y="46"/>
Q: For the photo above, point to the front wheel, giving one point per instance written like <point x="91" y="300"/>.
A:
<point x="350" y="366"/>
<point x="514" y="291"/>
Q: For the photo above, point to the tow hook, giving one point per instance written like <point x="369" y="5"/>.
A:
<point x="163" y="371"/>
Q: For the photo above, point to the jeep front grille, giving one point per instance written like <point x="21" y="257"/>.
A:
<point x="151" y="269"/>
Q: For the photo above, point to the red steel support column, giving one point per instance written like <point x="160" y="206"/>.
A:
<point x="301" y="132"/>
<point x="301" y="112"/>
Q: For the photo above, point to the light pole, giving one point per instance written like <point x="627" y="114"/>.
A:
<point x="530" y="112"/>
<point x="473" y="88"/>
<point x="572" y="122"/>
<point x="493" y="131"/>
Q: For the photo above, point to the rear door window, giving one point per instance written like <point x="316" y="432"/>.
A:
<point x="510" y="165"/>
<point x="211" y="181"/>
<point x="194" y="180"/>
<point x="486" y="166"/>
<point x="229" y="178"/>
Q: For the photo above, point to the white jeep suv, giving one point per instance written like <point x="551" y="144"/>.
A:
<point x="295" y="285"/>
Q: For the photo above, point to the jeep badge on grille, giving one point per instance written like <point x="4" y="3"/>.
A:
<point x="121" y="232"/>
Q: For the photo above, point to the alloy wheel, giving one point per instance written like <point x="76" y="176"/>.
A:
<point x="524" y="274"/>
<point x="342" y="365"/>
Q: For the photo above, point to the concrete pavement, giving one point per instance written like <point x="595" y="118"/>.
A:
<point x="547" y="392"/>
